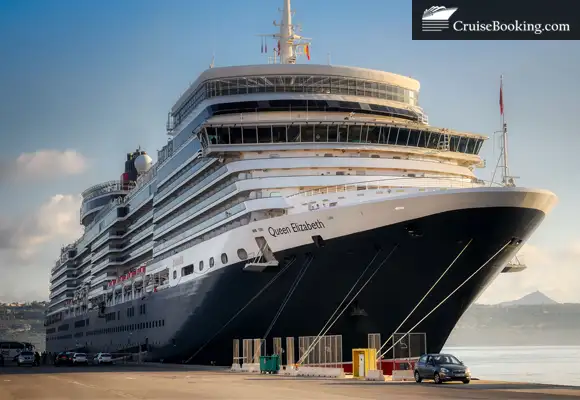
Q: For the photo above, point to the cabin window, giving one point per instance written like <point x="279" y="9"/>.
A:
<point x="174" y="274"/>
<point x="187" y="270"/>
<point x="211" y="262"/>
<point x="242" y="254"/>
<point x="201" y="265"/>
<point x="224" y="258"/>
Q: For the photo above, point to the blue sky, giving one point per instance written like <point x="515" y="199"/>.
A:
<point x="98" y="77"/>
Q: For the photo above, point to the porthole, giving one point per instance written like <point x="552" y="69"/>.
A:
<point x="242" y="254"/>
<point x="201" y="265"/>
<point x="211" y="262"/>
<point x="224" y="258"/>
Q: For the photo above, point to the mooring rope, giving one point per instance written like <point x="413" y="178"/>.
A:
<point x="445" y="299"/>
<point x="425" y="296"/>
<point x="324" y="331"/>
<point x="243" y="308"/>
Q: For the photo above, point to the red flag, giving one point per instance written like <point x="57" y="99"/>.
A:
<point x="501" y="98"/>
<point x="278" y="47"/>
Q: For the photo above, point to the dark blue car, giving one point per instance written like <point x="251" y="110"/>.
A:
<point x="441" y="368"/>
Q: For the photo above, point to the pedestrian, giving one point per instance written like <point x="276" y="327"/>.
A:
<point x="37" y="358"/>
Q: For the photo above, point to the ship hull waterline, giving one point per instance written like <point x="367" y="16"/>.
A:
<point x="182" y="320"/>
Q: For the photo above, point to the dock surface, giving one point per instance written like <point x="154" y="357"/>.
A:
<point x="178" y="382"/>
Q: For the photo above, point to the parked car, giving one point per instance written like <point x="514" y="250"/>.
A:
<point x="64" y="358"/>
<point x="79" y="358"/>
<point x="103" y="358"/>
<point x="25" y="358"/>
<point x="441" y="368"/>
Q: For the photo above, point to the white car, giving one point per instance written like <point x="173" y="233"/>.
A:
<point x="103" y="358"/>
<point x="79" y="358"/>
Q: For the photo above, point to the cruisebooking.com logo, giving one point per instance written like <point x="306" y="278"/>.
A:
<point x="439" y="19"/>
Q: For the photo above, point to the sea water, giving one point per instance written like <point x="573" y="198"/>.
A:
<point x="538" y="364"/>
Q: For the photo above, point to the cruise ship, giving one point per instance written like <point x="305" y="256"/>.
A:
<point x="287" y="191"/>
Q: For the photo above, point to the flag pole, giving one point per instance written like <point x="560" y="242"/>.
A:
<point x="506" y="176"/>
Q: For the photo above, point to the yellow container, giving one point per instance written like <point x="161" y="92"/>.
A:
<point x="363" y="360"/>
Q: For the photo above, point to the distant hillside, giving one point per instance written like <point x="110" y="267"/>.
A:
<point x="23" y="322"/>
<point x="534" y="320"/>
<point x="536" y="298"/>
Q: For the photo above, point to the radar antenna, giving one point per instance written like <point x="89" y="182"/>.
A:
<point x="289" y="45"/>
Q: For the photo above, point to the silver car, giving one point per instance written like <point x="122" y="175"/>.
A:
<point x="103" y="358"/>
<point x="79" y="358"/>
<point x="25" y="358"/>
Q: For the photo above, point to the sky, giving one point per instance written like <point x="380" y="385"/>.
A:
<point x="83" y="83"/>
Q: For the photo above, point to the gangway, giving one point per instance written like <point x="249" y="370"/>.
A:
<point x="264" y="259"/>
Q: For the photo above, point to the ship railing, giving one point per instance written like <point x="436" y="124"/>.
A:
<point x="106" y="187"/>
<point x="133" y="190"/>
<point x="138" y="224"/>
<point x="399" y="184"/>
<point x="189" y="173"/>
<point x="143" y="180"/>
<point x="103" y="211"/>
<point x="213" y="198"/>
<point x="215" y="219"/>
<point x="168" y="207"/>
<point x="62" y="259"/>
<point x="141" y="234"/>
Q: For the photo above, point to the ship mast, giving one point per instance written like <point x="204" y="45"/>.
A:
<point x="507" y="179"/>
<point x="289" y="45"/>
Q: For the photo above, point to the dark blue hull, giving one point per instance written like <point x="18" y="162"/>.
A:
<point x="178" y="322"/>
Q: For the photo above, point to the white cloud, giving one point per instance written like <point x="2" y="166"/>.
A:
<point x="30" y="245"/>
<point x="553" y="271"/>
<point x="43" y="164"/>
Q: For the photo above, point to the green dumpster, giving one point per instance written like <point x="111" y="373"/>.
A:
<point x="270" y="364"/>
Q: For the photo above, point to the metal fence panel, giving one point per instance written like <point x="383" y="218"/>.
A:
<point x="411" y="345"/>
<point x="277" y="346"/>
<point x="325" y="352"/>
<point x="290" y="352"/>
<point x="248" y="354"/>
<point x="374" y="341"/>
<point x="236" y="352"/>
<point x="259" y="349"/>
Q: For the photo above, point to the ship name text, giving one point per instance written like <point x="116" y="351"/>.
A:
<point x="294" y="227"/>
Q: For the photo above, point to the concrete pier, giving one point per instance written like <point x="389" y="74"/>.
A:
<point x="185" y="382"/>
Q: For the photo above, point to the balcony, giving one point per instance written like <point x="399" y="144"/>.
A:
<point x="213" y="199"/>
<point x="61" y="291"/>
<point x="107" y="262"/>
<point x="96" y="292"/>
<point x="167" y="208"/>
<point x="144" y="233"/>
<point x="228" y="214"/>
<point x="106" y="250"/>
<point x="189" y="174"/>
<point x="139" y="222"/>
<point x="103" y="278"/>
<point x="106" y="237"/>
<point x="139" y="251"/>
<point x="62" y="280"/>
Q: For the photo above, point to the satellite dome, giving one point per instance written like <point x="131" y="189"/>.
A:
<point x="143" y="163"/>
